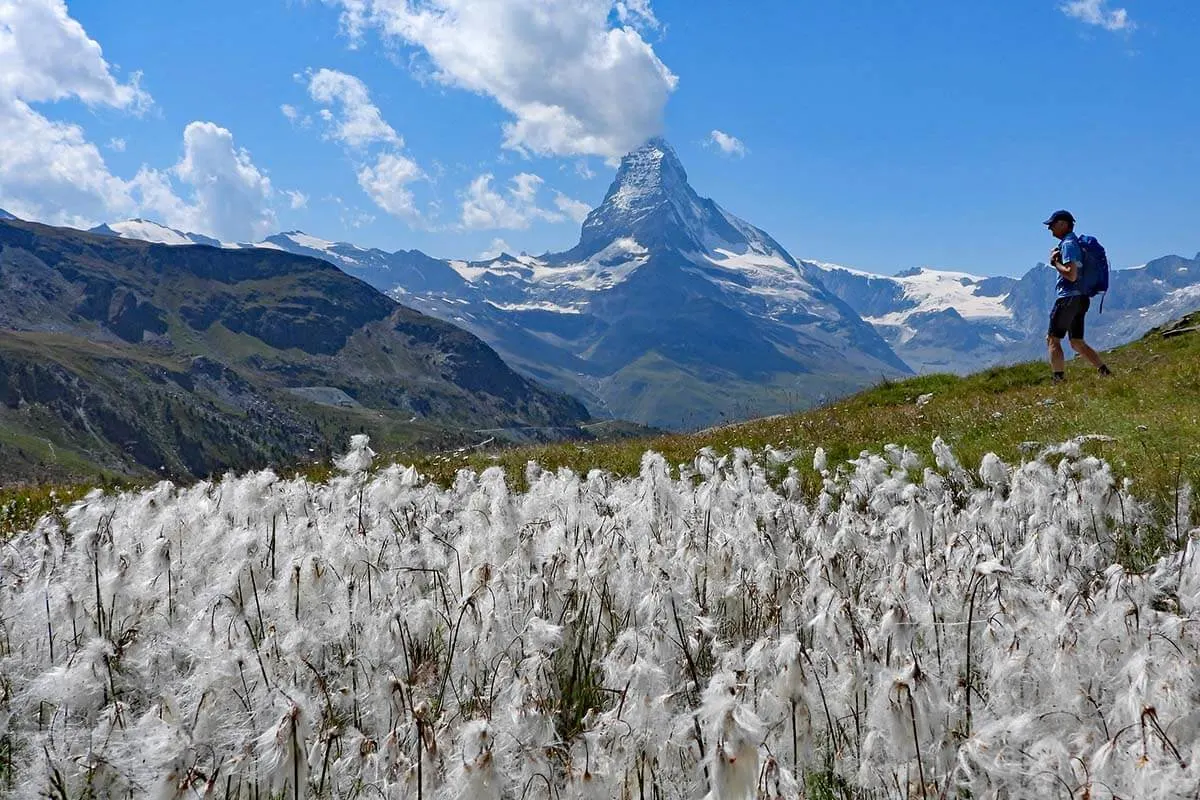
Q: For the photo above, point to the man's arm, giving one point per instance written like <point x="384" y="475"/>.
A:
<point x="1069" y="270"/>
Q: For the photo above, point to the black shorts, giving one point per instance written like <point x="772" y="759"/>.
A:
<point x="1066" y="318"/>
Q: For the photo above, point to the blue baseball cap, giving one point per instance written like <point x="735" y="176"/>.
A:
<point x="1058" y="216"/>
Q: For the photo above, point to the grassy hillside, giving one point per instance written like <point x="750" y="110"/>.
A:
<point x="1149" y="410"/>
<point x="652" y="637"/>
<point x="130" y="360"/>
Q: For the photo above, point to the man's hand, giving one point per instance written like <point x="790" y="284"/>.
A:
<point x="1056" y="257"/>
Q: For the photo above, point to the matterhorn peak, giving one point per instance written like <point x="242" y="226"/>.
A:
<point x="647" y="175"/>
<point x="651" y="202"/>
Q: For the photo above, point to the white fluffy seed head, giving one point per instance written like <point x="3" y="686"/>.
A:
<point x="498" y="639"/>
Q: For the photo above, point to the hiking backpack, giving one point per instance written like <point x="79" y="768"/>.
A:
<point x="1094" y="278"/>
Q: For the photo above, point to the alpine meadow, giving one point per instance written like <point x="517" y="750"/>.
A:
<point x="388" y="413"/>
<point x="746" y="624"/>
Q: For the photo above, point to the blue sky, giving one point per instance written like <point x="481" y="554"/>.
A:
<point x="881" y="134"/>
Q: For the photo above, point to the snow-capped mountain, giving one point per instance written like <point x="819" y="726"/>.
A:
<point x="935" y="320"/>
<point x="652" y="203"/>
<point x="5" y="215"/>
<point x="892" y="301"/>
<point x="149" y="231"/>
<point x="670" y="311"/>
<point x="957" y="322"/>
<point x="673" y="312"/>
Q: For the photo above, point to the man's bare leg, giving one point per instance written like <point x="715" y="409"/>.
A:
<point x="1084" y="349"/>
<point x="1057" y="359"/>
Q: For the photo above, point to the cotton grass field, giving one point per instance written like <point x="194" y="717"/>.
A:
<point x="913" y="629"/>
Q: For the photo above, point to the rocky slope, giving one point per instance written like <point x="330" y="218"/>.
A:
<point x="126" y="356"/>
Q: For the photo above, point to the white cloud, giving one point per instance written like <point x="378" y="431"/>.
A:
<point x="384" y="172"/>
<point x="573" y="83"/>
<point x="583" y="170"/>
<point x="45" y="55"/>
<point x="525" y="188"/>
<point x="295" y="116"/>
<point x="485" y="208"/>
<point x="386" y="182"/>
<point x="1096" y="12"/>
<point x="637" y="13"/>
<point x="49" y="171"/>
<point x="357" y="121"/>
<point x="230" y="198"/>
<point x="158" y="199"/>
<point x="232" y="195"/>
<point x="573" y="209"/>
<point x="351" y="216"/>
<point x="296" y="199"/>
<point x="729" y="145"/>
<point x="494" y="249"/>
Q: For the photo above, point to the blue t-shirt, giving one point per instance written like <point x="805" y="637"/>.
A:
<point x="1071" y="251"/>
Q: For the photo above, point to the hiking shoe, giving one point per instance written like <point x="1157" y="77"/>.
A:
<point x="1104" y="370"/>
<point x="1059" y="378"/>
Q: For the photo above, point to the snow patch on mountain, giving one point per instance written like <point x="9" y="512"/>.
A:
<point x="831" y="267"/>
<point x="337" y="252"/>
<point x="925" y="290"/>
<point x="148" y="231"/>
<point x="315" y="243"/>
<point x="601" y="271"/>
<point x="1174" y="304"/>
<point x="763" y="274"/>
<point x="642" y="181"/>
<point x="936" y="290"/>
<point x="546" y="307"/>
<point x="311" y="242"/>
<point x="154" y="232"/>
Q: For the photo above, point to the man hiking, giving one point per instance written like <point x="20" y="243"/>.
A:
<point x="1072" y="303"/>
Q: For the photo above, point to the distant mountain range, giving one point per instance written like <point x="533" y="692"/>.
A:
<point x="934" y="320"/>
<point x="126" y="357"/>
<point x="941" y="321"/>
<point x="672" y="312"/>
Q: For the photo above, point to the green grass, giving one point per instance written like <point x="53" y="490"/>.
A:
<point x="697" y="396"/>
<point x="21" y="507"/>
<point x="1150" y="408"/>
